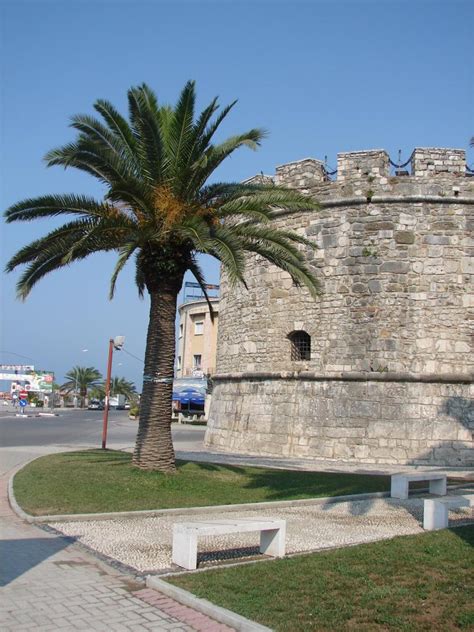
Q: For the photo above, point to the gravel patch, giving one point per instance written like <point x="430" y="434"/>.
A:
<point x="145" y="543"/>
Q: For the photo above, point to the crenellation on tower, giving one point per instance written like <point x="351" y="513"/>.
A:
<point x="260" y="178"/>
<point x="433" y="161"/>
<point x="370" y="166"/>
<point x="301" y="174"/>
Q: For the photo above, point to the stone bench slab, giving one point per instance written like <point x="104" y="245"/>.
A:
<point x="400" y="483"/>
<point x="185" y="535"/>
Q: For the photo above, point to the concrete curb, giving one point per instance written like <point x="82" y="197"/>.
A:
<point x="218" y="613"/>
<point x="11" y="495"/>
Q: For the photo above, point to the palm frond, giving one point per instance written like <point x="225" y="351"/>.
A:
<point x="124" y="255"/>
<point x="227" y="248"/>
<point x="70" y="242"/>
<point x="71" y="155"/>
<point x="215" y="155"/>
<point x="281" y="258"/>
<point x="212" y="128"/>
<point x="270" y="198"/>
<point x="194" y="229"/>
<point x="199" y="276"/>
<point x="117" y="125"/>
<point x="139" y="275"/>
<point x="220" y="192"/>
<point x="103" y="235"/>
<point x="180" y="136"/>
<point x="269" y="236"/>
<point x="53" y="205"/>
<point x="145" y="118"/>
<point x="91" y="157"/>
<point x="57" y="242"/>
<point x="37" y="270"/>
<point x="93" y="130"/>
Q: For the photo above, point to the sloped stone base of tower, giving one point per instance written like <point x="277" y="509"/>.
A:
<point x="387" y="418"/>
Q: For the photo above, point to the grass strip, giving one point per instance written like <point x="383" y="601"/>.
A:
<point x="95" y="481"/>
<point x="422" y="582"/>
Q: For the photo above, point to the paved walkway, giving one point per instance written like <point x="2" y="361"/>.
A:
<point x="144" y="543"/>
<point x="50" y="583"/>
<point x="316" y="465"/>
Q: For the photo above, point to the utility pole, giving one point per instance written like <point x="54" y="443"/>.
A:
<point x="114" y="343"/>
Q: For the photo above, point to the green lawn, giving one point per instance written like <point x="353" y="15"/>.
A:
<point x="422" y="582"/>
<point x="95" y="481"/>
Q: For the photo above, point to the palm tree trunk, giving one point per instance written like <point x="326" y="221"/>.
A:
<point x="154" y="445"/>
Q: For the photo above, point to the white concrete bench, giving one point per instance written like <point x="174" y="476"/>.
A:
<point x="435" y="510"/>
<point x="400" y="482"/>
<point x="185" y="535"/>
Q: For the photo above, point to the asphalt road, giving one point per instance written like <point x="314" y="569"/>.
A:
<point x="83" y="428"/>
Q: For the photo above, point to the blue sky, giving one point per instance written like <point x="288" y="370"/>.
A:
<point x="322" y="77"/>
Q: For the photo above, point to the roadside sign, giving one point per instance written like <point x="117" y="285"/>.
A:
<point x="22" y="402"/>
<point x="23" y="394"/>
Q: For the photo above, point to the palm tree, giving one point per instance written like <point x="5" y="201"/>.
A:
<point x="121" y="386"/>
<point x="97" y="392"/>
<point x="82" y="378"/>
<point x="159" y="210"/>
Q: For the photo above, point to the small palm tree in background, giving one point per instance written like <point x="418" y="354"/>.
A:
<point x="160" y="211"/>
<point x="97" y="392"/>
<point x="121" y="386"/>
<point x="82" y="379"/>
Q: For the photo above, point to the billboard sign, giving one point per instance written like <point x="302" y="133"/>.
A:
<point x="31" y="380"/>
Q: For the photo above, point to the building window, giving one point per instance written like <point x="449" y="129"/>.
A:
<point x="300" y="345"/>
<point x="178" y="366"/>
<point x="197" y="359"/>
<point x="198" y="327"/>
<point x="181" y="330"/>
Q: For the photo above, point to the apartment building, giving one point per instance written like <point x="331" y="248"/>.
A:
<point x="197" y="338"/>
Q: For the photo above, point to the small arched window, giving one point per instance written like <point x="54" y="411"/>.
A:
<point x="300" y="345"/>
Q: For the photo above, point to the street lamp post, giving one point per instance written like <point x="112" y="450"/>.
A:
<point x="114" y="343"/>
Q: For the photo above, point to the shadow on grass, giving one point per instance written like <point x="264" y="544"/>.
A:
<point x="112" y="457"/>
<point x="296" y="484"/>
<point x="19" y="556"/>
<point x="210" y="467"/>
<point x="465" y="533"/>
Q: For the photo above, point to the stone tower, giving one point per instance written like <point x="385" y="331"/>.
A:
<point x="379" y="369"/>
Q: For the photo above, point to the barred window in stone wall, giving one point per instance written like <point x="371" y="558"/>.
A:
<point x="300" y="345"/>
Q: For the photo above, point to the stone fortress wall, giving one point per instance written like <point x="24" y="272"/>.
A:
<point x="389" y="379"/>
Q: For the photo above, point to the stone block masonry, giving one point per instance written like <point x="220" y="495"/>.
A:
<point x="368" y="166"/>
<point x="390" y="374"/>
<point x="433" y="162"/>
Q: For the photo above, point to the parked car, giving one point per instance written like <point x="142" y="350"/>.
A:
<point x="94" y="404"/>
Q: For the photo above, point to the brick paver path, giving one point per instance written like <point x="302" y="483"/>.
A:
<point x="48" y="583"/>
